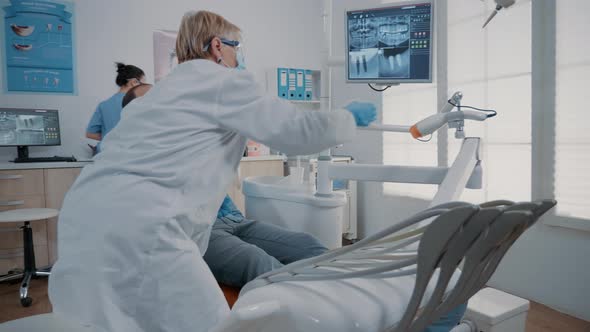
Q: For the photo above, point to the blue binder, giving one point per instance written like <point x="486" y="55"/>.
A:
<point x="292" y="84"/>
<point x="308" y="85"/>
<point x="300" y="84"/>
<point x="283" y="82"/>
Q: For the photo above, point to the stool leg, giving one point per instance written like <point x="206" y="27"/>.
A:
<point x="25" y="300"/>
<point x="10" y="277"/>
<point x="30" y="268"/>
<point x="29" y="248"/>
<point x="43" y="272"/>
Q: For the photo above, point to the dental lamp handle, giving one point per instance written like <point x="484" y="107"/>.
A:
<point x="433" y="123"/>
<point x="455" y="100"/>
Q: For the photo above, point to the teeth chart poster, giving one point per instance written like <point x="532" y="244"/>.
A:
<point x="38" y="44"/>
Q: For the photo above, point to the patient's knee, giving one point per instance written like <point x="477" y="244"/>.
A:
<point x="260" y="263"/>
<point x="310" y="246"/>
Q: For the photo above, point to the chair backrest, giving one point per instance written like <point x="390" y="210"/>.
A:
<point x="478" y="245"/>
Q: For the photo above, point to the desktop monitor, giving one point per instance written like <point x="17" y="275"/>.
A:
<point x="391" y="44"/>
<point x="29" y="127"/>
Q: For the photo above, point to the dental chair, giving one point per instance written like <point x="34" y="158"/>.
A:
<point x="381" y="283"/>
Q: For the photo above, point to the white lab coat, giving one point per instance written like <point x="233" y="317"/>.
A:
<point x="134" y="226"/>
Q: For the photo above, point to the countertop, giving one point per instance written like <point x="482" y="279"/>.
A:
<point x="7" y="165"/>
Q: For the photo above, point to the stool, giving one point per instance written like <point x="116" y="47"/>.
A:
<point x="27" y="216"/>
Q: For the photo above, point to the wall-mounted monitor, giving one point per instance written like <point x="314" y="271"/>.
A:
<point x="391" y="44"/>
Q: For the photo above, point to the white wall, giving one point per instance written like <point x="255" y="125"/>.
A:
<point x="547" y="264"/>
<point x="112" y="30"/>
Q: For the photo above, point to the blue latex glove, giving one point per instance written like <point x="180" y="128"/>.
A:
<point x="364" y="113"/>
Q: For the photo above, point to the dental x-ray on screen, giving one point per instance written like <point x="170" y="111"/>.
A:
<point x="390" y="44"/>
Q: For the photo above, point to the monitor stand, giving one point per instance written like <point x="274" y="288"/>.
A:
<point x="23" y="152"/>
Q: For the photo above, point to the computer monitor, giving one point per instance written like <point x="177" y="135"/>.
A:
<point x="29" y="127"/>
<point x="391" y="44"/>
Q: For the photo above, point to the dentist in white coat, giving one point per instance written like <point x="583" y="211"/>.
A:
<point x="134" y="226"/>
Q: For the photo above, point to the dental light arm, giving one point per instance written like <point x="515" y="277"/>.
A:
<point x="465" y="172"/>
<point x="499" y="5"/>
<point x="435" y="122"/>
<point x="454" y="101"/>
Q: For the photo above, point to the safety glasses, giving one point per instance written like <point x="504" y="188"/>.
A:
<point x="233" y="43"/>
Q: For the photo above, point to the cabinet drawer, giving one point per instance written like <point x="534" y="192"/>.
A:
<point x="14" y="259"/>
<point x="22" y="182"/>
<point x="12" y="202"/>
<point x="10" y="235"/>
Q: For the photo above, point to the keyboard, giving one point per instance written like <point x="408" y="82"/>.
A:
<point x="45" y="159"/>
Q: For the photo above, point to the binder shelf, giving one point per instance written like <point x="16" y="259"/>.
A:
<point x="300" y="86"/>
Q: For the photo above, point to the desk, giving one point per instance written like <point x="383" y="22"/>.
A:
<point x="44" y="185"/>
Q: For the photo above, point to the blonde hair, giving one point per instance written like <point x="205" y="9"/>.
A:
<point x="196" y="31"/>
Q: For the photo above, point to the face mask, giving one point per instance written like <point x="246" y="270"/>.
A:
<point x="241" y="63"/>
<point x="240" y="60"/>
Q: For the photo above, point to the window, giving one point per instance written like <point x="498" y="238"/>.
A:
<point x="492" y="70"/>
<point x="492" y="67"/>
<point x="407" y="104"/>
<point x="572" y="115"/>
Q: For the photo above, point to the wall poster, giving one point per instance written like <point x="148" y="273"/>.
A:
<point x="38" y="39"/>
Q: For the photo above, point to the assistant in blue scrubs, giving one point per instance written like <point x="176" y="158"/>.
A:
<point x="108" y="112"/>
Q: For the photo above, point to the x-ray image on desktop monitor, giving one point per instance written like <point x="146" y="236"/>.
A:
<point x="390" y="44"/>
<point x="29" y="127"/>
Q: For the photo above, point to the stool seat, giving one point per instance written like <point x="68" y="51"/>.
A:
<point x="46" y="323"/>
<point x="22" y="215"/>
